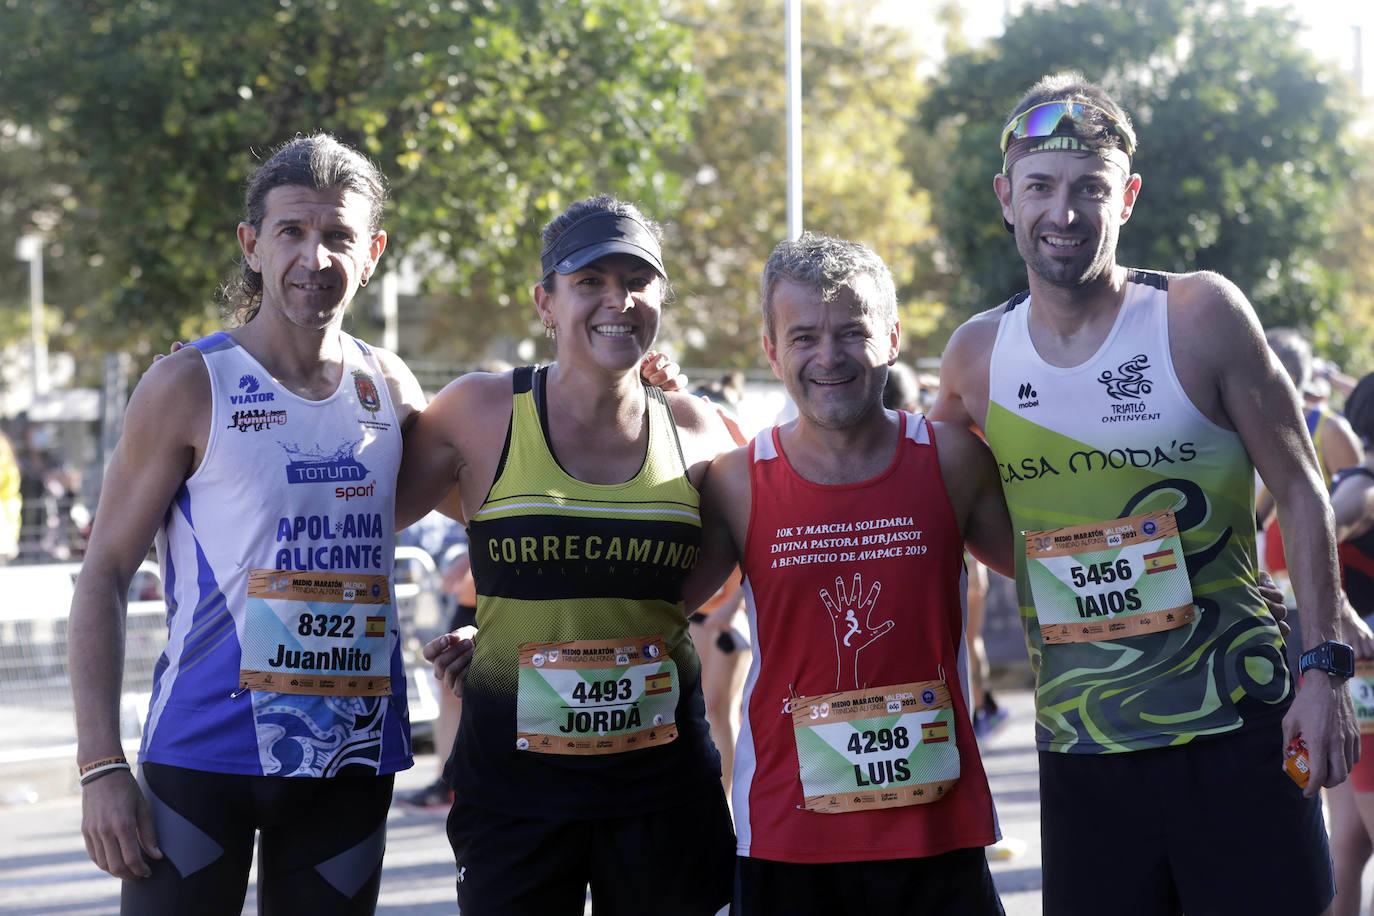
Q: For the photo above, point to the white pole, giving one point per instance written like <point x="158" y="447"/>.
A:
<point x="30" y="248"/>
<point x="1357" y="59"/>
<point x="794" y="114"/>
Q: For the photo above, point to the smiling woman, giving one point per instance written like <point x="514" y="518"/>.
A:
<point x="603" y="273"/>
<point x="583" y="696"/>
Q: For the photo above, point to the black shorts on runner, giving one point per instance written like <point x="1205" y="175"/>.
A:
<point x="956" y="883"/>
<point x="1211" y="828"/>
<point x="676" y="861"/>
<point x="322" y="841"/>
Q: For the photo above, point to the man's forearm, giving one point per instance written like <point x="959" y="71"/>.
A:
<point x="96" y="666"/>
<point x="1310" y="548"/>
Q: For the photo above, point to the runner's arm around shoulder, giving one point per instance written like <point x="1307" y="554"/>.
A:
<point x="165" y="431"/>
<point x="975" y="492"/>
<point x="409" y="399"/>
<point x="1215" y="335"/>
<point x="701" y="431"/>
<point x="725" y="501"/>
<point x="406" y="394"/>
<point x="963" y="394"/>
<point x="447" y="441"/>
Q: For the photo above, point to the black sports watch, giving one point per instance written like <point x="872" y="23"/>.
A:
<point x="1332" y="657"/>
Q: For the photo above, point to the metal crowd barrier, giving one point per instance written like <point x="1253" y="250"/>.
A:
<point x="36" y="709"/>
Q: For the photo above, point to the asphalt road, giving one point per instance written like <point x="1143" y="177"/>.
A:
<point x="44" y="870"/>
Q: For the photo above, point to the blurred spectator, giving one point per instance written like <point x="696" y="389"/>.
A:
<point x="714" y="627"/>
<point x="434" y="534"/>
<point x="726" y="393"/>
<point x="905" y="391"/>
<point x="11" y="513"/>
<point x="914" y="391"/>
<point x="1351" y="803"/>
<point x="1335" y="442"/>
<point x="47" y="488"/>
<point x="446" y="542"/>
<point x="902" y="390"/>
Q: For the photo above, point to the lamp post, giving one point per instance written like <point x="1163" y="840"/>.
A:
<point x="30" y="248"/>
<point x="792" y="42"/>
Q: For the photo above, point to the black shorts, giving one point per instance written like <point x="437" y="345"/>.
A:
<point x="1212" y="828"/>
<point x="321" y="842"/>
<point x="674" y="862"/>
<point x="956" y="883"/>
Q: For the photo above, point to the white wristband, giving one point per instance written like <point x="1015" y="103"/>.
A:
<point x="96" y="772"/>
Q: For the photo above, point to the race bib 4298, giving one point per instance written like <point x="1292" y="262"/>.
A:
<point x="880" y="747"/>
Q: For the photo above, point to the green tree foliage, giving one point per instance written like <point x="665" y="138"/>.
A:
<point x="1345" y="334"/>
<point x="858" y="83"/>
<point x="488" y="116"/>
<point x="1241" y="144"/>
<point x="37" y="196"/>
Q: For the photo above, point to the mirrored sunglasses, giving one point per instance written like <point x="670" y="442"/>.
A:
<point x="1043" y="120"/>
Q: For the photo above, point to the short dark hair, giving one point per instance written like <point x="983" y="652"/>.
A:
<point x="1359" y="409"/>
<point x="317" y="161"/>
<point x="902" y="390"/>
<point x="1294" y="351"/>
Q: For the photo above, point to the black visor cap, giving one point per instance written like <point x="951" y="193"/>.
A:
<point x="597" y="235"/>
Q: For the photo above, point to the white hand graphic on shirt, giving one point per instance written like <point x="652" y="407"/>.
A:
<point x="851" y="615"/>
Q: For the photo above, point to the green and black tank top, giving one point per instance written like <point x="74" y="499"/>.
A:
<point x="557" y="559"/>
<point x="1089" y="452"/>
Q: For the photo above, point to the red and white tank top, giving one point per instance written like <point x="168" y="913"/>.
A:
<point x="852" y="587"/>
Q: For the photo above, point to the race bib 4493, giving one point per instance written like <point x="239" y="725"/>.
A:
<point x="595" y="696"/>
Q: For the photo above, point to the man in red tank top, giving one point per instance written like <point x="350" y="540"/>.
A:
<point x="857" y="782"/>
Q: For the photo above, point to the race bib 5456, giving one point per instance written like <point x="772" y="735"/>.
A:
<point x="1109" y="579"/>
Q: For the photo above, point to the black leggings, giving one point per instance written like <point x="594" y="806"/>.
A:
<point x="320" y="849"/>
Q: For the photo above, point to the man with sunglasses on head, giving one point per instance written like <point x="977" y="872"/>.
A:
<point x="1127" y="410"/>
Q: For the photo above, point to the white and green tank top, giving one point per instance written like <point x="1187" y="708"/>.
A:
<point x="1100" y="464"/>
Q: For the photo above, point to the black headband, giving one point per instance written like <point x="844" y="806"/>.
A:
<point x="597" y="235"/>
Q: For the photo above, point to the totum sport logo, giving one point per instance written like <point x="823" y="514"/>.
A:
<point x="1027" y="396"/>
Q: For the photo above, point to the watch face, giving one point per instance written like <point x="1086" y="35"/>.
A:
<point x="1342" y="659"/>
